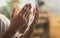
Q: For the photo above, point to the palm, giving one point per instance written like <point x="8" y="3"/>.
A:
<point x="21" y="18"/>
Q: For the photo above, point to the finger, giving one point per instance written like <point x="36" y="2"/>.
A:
<point x="27" y="12"/>
<point x="26" y="9"/>
<point x="37" y="10"/>
<point x="12" y="14"/>
<point x="26" y="16"/>
<point x="23" y="9"/>
<point x="36" y="13"/>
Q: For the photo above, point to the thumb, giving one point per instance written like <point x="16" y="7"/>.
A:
<point x="12" y="13"/>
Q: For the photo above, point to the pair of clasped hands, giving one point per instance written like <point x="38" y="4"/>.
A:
<point x="19" y="20"/>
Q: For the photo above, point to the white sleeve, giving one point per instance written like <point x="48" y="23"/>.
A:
<point x="4" y="23"/>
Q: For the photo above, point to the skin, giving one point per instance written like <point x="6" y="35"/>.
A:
<point x="20" y="20"/>
<point x="28" y="33"/>
<point x="17" y="21"/>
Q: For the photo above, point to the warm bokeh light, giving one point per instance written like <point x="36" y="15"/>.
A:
<point x="55" y="25"/>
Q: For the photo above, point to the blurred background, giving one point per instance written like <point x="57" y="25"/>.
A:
<point x="7" y="5"/>
<point x="53" y="7"/>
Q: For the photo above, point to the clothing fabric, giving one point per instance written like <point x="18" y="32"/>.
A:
<point x="4" y="24"/>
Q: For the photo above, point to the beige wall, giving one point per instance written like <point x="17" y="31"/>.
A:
<point x="55" y="25"/>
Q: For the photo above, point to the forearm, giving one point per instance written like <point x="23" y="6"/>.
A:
<point x="28" y="32"/>
<point x="10" y="31"/>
